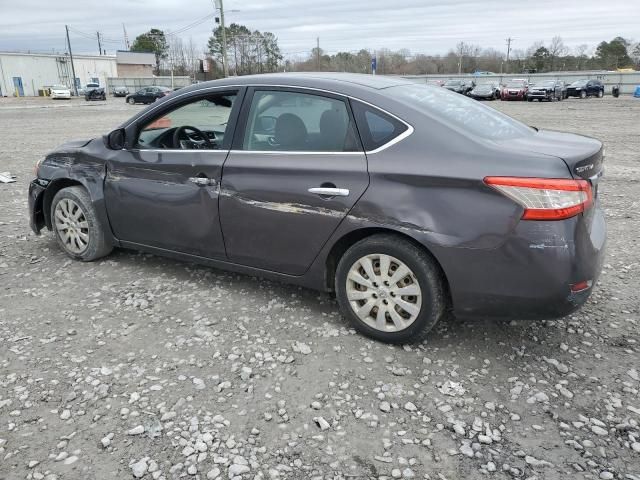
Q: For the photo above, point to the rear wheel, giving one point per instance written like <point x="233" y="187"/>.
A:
<point x="390" y="289"/>
<point x="76" y="226"/>
<point x="131" y="100"/>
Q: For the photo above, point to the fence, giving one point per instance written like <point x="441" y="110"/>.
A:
<point x="627" y="81"/>
<point x="133" y="84"/>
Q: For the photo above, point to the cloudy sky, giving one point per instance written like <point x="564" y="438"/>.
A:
<point x="422" y="26"/>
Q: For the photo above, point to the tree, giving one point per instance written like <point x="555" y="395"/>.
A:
<point x="556" y="49"/>
<point x="613" y="54"/>
<point x="154" y="41"/>
<point x="540" y="58"/>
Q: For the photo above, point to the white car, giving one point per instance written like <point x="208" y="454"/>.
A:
<point x="60" y="91"/>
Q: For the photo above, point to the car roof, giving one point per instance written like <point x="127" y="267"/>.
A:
<point x="334" y="80"/>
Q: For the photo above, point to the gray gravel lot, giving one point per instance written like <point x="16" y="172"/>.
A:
<point x="139" y="366"/>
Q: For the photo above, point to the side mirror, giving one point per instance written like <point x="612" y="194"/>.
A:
<point x="116" y="139"/>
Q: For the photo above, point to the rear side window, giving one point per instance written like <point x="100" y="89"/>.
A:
<point x="376" y="127"/>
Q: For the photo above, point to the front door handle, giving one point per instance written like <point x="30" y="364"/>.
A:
<point x="202" y="181"/>
<point x="330" y="192"/>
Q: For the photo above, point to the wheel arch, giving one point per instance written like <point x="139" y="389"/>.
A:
<point x="347" y="240"/>
<point x="54" y="187"/>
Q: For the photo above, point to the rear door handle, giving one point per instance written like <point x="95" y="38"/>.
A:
<point x="330" y="192"/>
<point x="202" y="181"/>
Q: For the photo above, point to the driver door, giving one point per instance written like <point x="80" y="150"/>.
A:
<point x="162" y="192"/>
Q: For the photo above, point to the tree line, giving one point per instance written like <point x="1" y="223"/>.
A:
<point x="252" y="51"/>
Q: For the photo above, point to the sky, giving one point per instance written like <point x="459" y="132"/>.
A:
<point x="421" y="26"/>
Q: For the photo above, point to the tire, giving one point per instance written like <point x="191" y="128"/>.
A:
<point x="92" y="244"/>
<point x="529" y="99"/>
<point x="131" y="101"/>
<point x="583" y="94"/>
<point x="427" y="306"/>
<point x="600" y="94"/>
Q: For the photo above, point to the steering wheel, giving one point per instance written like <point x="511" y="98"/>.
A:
<point x="181" y="132"/>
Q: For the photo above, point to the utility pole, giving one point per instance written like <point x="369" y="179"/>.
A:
<point x="318" y="54"/>
<point x="99" y="44"/>
<point x="126" y="38"/>
<point x="509" y="40"/>
<point x="73" y="69"/>
<point x="225" y="68"/>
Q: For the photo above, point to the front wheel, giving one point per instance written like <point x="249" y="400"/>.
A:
<point x="131" y="100"/>
<point x="583" y="94"/>
<point x="390" y="289"/>
<point x="600" y="94"/>
<point x="76" y="226"/>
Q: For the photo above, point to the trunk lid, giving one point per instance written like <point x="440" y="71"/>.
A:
<point x="582" y="155"/>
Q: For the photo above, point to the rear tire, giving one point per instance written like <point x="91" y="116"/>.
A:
<point x="131" y="100"/>
<point x="375" y="304"/>
<point x="76" y="226"/>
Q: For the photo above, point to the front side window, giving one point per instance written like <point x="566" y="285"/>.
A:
<point x="293" y="121"/>
<point x="198" y="125"/>
<point x="376" y="127"/>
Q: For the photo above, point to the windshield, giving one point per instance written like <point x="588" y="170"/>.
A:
<point x="550" y="83"/>
<point x="579" y="83"/>
<point x="515" y="83"/>
<point x="484" y="87"/>
<point x="460" y="112"/>
<point x="452" y="83"/>
<point x="59" y="87"/>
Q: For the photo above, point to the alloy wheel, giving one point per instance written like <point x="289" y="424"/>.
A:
<point x="383" y="292"/>
<point x="72" y="226"/>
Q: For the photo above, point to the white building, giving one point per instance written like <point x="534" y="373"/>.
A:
<point x="25" y="74"/>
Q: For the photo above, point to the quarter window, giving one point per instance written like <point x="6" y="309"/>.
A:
<point x="293" y="121"/>
<point x="376" y="127"/>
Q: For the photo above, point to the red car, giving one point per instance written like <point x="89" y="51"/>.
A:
<point x="515" y="89"/>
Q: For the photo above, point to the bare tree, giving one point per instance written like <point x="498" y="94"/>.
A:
<point x="556" y="49"/>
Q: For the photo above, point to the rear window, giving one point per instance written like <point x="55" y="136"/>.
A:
<point x="376" y="127"/>
<point x="460" y="112"/>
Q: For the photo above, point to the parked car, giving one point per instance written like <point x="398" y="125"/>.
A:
<point x="586" y="88"/>
<point x="413" y="201"/>
<point x="60" y="91"/>
<point x="549" y="90"/>
<point x="485" y="91"/>
<point x="120" y="91"/>
<point x="87" y="87"/>
<point x="459" y="86"/>
<point x="97" y="93"/>
<point x="515" y="89"/>
<point x="148" y="95"/>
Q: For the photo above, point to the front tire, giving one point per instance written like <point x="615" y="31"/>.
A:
<point x="390" y="289"/>
<point x="131" y="101"/>
<point x="600" y="94"/>
<point x="76" y="226"/>
<point x="583" y="94"/>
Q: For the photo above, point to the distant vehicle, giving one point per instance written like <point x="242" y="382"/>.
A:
<point x="95" y="94"/>
<point x="549" y="90"/>
<point x="60" y="91"/>
<point x="586" y="88"/>
<point x="486" y="91"/>
<point x="83" y="90"/>
<point x="515" y="89"/>
<point x="459" y="86"/>
<point x="120" y="91"/>
<point x="148" y="95"/>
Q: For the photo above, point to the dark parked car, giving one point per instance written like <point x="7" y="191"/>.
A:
<point x="148" y="95"/>
<point x="95" y="93"/>
<point x="485" y="91"/>
<point x="120" y="91"/>
<point x="407" y="200"/>
<point x="549" y="90"/>
<point x="515" y="89"/>
<point x="459" y="86"/>
<point x="586" y="88"/>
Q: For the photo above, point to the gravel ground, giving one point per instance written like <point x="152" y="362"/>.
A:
<point x="142" y="367"/>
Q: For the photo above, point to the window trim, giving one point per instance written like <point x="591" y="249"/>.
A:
<point x="242" y="89"/>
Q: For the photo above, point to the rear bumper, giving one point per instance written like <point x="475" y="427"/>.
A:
<point x="530" y="275"/>
<point x="36" y="212"/>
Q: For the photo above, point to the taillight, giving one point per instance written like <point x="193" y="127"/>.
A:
<point x="545" y="198"/>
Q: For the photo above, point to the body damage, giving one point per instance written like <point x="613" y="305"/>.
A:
<point x="519" y="268"/>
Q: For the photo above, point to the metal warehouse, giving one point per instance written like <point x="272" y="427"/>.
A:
<point x="26" y="74"/>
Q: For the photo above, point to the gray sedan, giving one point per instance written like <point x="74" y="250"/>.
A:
<point x="408" y="201"/>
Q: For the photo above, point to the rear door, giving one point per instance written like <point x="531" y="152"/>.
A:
<point x="295" y="171"/>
